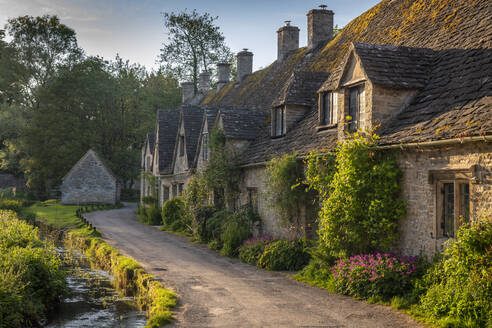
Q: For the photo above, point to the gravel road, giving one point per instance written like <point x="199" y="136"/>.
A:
<point x="217" y="291"/>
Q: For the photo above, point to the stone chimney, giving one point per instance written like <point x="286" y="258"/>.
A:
<point x="244" y="64"/>
<point x="224" y="70"/>
<point x="320" y="26"/>
<point x="204" y="82"/>
<point x="188" y="92"/>
<point x="287" y="40"/>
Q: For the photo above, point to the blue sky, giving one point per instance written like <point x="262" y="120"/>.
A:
<point x="134" y="28"/>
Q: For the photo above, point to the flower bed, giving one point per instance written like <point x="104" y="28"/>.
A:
<point x="383" y="275"/>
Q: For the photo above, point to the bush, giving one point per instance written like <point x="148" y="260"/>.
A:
<point x="213" y="226"/>
<point x="31" y="278"/>
<point x="379" y="275"/>
<point x="201" y="222"/>
<point x="361" y="210"/>
<point x="10" y="204"/>
<point x="150" y="215"/>
<point x="252" y="249"/>
<point x="459" y="288"/>
<point x="236" y="229"/>
<point x="149" y="200"/>
<point x="173" y="214"/>
<point x="283" y="254"/>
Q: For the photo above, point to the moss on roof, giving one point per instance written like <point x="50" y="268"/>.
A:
<point x="435" y="24"/>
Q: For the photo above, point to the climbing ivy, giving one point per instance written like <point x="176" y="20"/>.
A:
<point x="222" y="172"/>
<point x="360" y="205"/>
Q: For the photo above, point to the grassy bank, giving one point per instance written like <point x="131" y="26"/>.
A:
<point x="131" y="279"/>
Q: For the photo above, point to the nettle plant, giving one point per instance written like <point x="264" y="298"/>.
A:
<point x="360" y="207"/>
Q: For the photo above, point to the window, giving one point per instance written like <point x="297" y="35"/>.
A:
<point x="356" y="108"/>
<point x="253" y="198"/>
<point x="175" y="190"/>
<point x="180" y="189"/>
<point x="148" y="161"/>
<point x="181" y="145"/>
<point x="165" y="193"/>
<point x="453" y="206"/>
<point x="278" y="126"/>
<point x="329" y="108"/>
<point x="205" y="146"/>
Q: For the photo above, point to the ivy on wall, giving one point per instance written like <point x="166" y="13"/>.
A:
<point x="360" y="204"/>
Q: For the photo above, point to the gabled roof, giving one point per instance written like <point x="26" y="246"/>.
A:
<point x="192" y="117"/>
<point x="456" y="102"/>
<point x="92" y="153"/>
<point x="301" y="139"/>
<point x="300" y="89"/>
<point x="242" y="123"/>
<point x="389" y="66"/>
<point x="209" y="118"/>
<point x="167" y="128"/>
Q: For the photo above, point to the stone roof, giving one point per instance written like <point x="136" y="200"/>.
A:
<point x="300" y="89"/>
<point x="92" y="153"/>
<point x="301" y="139"/>
<point x="167" y="129"/>
<point x="389" y="66"/>
<point x="192" y="118"/>
<point x="456" y="102"/>
<point x="242" y="123"/>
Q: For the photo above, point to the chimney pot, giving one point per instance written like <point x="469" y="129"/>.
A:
<point x="244" y="64"/>
<point x="188" y="92"/>
<point x="287" y="40"/>
<point x="320" y="26"/>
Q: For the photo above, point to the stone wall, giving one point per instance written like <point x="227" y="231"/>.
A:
<point x="10" y="181"/>
<point x="419" y="230"/>
<point x="89" y="183"/>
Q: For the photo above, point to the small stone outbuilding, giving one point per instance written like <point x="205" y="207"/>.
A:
<point x="90" y="181"/>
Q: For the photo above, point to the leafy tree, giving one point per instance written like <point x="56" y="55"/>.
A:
<point x="43" y="44"/>
<point x="194" y="44"/>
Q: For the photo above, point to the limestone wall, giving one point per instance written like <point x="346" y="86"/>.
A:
<point x="419" y="230"/>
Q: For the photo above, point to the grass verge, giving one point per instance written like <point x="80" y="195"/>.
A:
<point x="131" y="278"/>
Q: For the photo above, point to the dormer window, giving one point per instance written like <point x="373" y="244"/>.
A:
<point x="181" y="145"/>
<point x="356" y="108"/>
<point x="205" y="146"/>
<point x="328" y="108"/>
<point x="278" y="121"/>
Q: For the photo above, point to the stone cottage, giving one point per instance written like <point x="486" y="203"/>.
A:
<point x="421" y="75"/>
<point x="90" y="181"/>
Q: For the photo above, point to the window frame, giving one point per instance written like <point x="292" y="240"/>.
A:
<point x="458" y="204"/>
<point x="278" y="116"/>
<point x="252" y="195"/>
<point x="205" y="146"/>
<point x="332" y="109"/>
<point x="356" y="119"/>
<point x="181" y="145"/>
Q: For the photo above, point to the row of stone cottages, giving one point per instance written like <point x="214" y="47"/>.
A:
<point x="432" y="101"/>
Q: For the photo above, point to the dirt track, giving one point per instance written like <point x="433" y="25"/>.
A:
<point x="216" y="291"/>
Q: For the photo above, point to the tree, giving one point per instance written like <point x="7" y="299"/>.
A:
<point x="194" y="44"/>
<point x="43" y="44"/>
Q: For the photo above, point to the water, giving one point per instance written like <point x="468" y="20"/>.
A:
<point x="92" y="301"/>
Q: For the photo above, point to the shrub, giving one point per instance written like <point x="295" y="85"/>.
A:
<point x="252" y="249"/>
<point x="10" y="204"/>
<point x="31" y="278"/>
<point x="285" y="255"/>
<point x="317" y="273"/>
<point x="213" y="226"/>
<point x="149" y="200"/>
<point x="379" y="275"/>
<point x="362" y="207"/>
<point x="173" y="214"/>
<point x="150" y="215"/>
<point x="202" y="226"/>
<point x="236" y="229"/>
<point x="459" y="288"/>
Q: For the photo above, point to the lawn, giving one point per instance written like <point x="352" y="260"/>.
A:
<point x="55" y="214"/>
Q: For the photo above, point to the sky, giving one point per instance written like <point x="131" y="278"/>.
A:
<point x="134" y="29"/>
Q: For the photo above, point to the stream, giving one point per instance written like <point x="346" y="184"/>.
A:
<point x="92" y="300"/>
